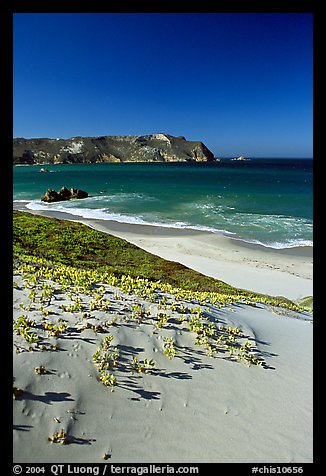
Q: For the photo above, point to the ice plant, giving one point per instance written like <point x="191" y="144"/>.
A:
<point x="162" y="320"/>
<point x="41" y="370"/>
<point x="60" y="437"/>
<point x="142" y="367"/>
<point x="109" y="380"/>
<point x="169" y="349"/>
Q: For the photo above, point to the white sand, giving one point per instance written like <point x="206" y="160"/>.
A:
<point x="192" y="408"/>
<point x="287" y="273"/>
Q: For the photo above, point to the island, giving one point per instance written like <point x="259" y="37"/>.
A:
<point x="143" y="148"/>
<point x="241" y="158"/>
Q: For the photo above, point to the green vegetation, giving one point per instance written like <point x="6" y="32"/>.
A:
<point x="106" y="358"/>
<point x="169" y="348"/>
<point x="41" y="370"/>
<point x="143" y="366"/>
<point x="306" y="302"/>
<point x="22" y="327"/>
<point x="209" y="334"/>
<point x="60" y="437"/>
<point x="74" y="244"/>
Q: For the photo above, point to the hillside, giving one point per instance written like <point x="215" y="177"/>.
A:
<point x="147" y="148"/>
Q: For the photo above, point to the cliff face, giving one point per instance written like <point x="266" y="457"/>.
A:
<point x="149" y="148"/>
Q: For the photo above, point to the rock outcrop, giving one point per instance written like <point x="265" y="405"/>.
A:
<point x="63" y="194"/>
<point x="147" y="148"/>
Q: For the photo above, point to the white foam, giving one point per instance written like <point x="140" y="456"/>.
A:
<point x="105" y="214"/>
<point x="278" y="245"/>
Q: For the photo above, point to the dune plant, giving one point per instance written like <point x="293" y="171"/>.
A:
<point x="162" y="320"/>
<point x="45" y="312"/>
<point x="179" y="307"/>
<point x="30" y="337"/>
<point x="108" y="379"/>
<point x="30" y="280"/>
<point x="94" y="327"/>
<point x="49" y="347"/>
<point x="169" y="347"/>
<point x="32" y="295"/>
<point x="75" y="307"/>
<point x="197" y="311"/>
<point x="111" y="322"/>
<point x="106" y="342"/>
<point x="163" y="302"/>
<point x="41" y="370"/>
<point x="22" y="327"/>
<point x="47" y="293"/>
<point x="127" y="283"/>
<point x="144" y="366"/>
<point x="55" y="330"/>
<point x="105" y="358"/>
<point x="138" y="312"/>
<point x="23" y="322"/>
<point x="60" y="437"/>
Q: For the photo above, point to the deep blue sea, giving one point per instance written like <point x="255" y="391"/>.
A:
<point x="265" y="201"/>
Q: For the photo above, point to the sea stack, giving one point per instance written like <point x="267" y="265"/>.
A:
<point x="64" y="193"/>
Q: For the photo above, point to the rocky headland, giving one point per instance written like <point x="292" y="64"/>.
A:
<point x="146" y="148"/>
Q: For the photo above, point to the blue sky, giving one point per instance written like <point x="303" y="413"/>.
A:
<point x="239" y="82"/>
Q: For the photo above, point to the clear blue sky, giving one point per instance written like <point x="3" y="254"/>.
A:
<point x="239" y="82"/>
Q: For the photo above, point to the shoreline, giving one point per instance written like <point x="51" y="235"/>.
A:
<point x="277" y="272"/>
<point x="156" y="227"/>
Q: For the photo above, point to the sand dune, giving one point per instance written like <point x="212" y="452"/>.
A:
<point x="190" y="408"/>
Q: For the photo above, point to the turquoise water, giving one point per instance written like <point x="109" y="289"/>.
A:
<point x="259" y="201"/>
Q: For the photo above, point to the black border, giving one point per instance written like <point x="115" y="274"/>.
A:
<point x="8" y="9"/>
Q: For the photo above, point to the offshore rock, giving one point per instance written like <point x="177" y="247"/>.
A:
<point x="146" y="148"/>
<point x="51" y="196"/>
<point x="77" y="193"/>
<point x="64" y="193"/>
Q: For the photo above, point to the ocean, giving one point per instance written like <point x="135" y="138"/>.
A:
<point x="264" y="201"/>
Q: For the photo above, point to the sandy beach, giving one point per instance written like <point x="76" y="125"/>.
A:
<point x="189" y="408"/>
<point x="287" y="272"/>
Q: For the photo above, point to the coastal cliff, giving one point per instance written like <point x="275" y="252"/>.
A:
<point x="146" y="148"/>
